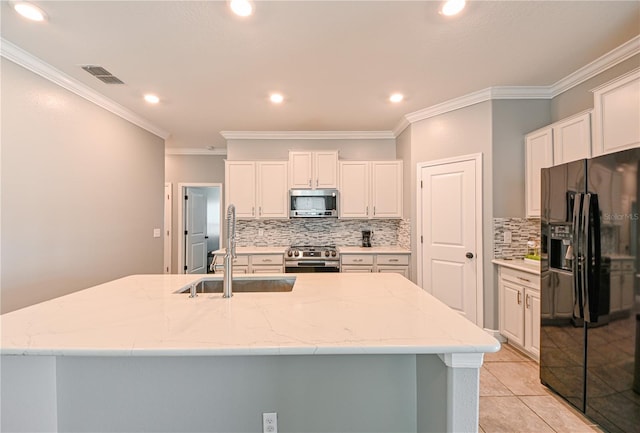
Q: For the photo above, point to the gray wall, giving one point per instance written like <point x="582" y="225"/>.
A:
<point x="189" y="169"/>
<point x="580" y="98"/>
<point x="81" y="192"/>
<point x="511" y="120"/>
<point x="255" y="150"/>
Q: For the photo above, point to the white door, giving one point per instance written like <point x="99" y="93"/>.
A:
<point x="196" y="231"/>
<point x="450" y="209"/>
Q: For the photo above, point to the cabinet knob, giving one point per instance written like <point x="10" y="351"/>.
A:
<point x="469" y="255"/>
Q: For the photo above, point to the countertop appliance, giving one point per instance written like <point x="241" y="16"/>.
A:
<point x="366" y="238"/>
<point x="308" y="258"/>
<point x="313" y="203"/>
<point x="588" y="318"/>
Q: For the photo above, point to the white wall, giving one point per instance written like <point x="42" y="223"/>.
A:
<point x="81" y="192"/>
<point x="243" y="150"/>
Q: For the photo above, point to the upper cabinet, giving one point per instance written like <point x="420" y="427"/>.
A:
<point x="538" y="155"/>
<point x="313" y="169"/>
<point x="258" y="189"/>
<point x="370" y="189"/>
<point x="616" y="114"/>
<point x="572" y="138"/>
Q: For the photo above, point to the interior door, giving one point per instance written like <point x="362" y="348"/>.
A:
<point x="195" y="231"/>
<point x="448" y="227"/>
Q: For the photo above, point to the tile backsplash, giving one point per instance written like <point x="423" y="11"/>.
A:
<point x="522" y="230"/>
<point x="321" y="231"/>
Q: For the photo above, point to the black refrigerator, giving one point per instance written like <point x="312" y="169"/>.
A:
<point x="590" y="287"/>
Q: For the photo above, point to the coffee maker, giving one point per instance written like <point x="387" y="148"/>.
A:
<point x="366" y="238"/>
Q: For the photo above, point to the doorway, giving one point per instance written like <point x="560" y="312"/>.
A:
<point x="449" y="230"/>
<point x="199" y="215"/>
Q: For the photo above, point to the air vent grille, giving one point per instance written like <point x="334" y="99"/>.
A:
<point x="102" y="74"/>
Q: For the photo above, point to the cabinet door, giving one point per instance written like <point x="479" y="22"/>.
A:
<point x="616" y="115"/>
<point x="512" y="312"/>
<point x="300" y="169"/>
<point x="354" y="189"/>
<point x="386" y="190"/>
<point x="532" y="322"/>
<point x="615" y="298"/>
<point x="572" y="139"/>
<point x="539" y="154"/>
<point x="240" y="187"/>
<point x="273" y="197"/>
<point x="402" y="270"/>
<point x="563" y="296"/>
<point x="626" y="286"/>
<point x="356" y="269"/>
<point x="325" y="169"/>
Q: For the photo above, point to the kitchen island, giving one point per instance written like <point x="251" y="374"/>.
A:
<point x="340" y="352"/>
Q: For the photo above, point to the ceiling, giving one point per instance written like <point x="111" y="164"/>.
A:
<point x="335" y="62"/>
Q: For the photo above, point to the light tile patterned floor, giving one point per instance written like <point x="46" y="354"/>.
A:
<point x="513" y="400"/>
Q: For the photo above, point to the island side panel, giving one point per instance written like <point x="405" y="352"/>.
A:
<point x="28" y="394"/>
<point x="316" y="393"/>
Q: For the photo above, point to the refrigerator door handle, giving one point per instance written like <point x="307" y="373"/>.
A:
<point x="586" y="255"/>
<point x="594" y="257"/>
<point x="578" y="256"/>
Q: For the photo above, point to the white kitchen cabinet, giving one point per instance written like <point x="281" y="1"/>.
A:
<point x="520" y="309"/>
<point x="258" y="189"/>
<point x="240" y="264"/>
<point x="572" y="138"/>
<point x="538" y="155"/>
<point x="370" y="189"/>
<point x="616" y="114"/>
<point x="267" y="263"/>
<point x="315" y="170"/>
<point x="375" y="262"/>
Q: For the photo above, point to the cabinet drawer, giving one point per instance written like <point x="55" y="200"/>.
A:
<point x="357" y="259"/>
<point x="267" y="269"/>
<point x="239" y="261"/>
<point x="524" y="279"/>
<point x="627" y="265"/>
<point x="267" y="259"/>
<point x="393" y="259"/>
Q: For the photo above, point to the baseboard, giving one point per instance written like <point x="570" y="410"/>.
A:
<point x="495" y="334"/>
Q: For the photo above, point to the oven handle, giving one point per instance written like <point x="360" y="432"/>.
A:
<point x="312" y="264"/>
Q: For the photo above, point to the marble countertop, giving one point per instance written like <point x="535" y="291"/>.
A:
<point x="255" y="250"/>
<point x="374" y="250"/>
<point x="142" y="315"/>
<point x="518" y="264"/>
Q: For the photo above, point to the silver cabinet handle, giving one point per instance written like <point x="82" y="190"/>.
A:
<point x="317" y="182"/>
<point x="259" y="210"/>
<point x="524" y="279"/>
<point x="374" y="211"/>
<point x="526" y="303"/>
<point x="357" y="260"/>
<point x="266" y="260"/>
<point x="367" y="210"/>
<point x="519" y="297"/>
<point x="393" y="260"/>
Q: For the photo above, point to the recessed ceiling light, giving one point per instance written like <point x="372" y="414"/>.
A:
<point x="243" y="8"/>
<point x="276" y="98"/>
<point x="452" y="7"/>
<point x="396" y="97"/>
<point x="30" y="11"/>
<point x="151" y="99"/>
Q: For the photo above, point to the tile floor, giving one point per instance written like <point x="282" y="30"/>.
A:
<point x="512" y="400"/>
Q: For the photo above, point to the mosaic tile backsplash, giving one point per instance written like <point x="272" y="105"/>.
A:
<point x="321" y="231"/>
<point x="522" y="230"/>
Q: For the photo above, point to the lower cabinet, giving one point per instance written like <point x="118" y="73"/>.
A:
<point x="621" y="285"/>
<point x="520" y="309"/>
<point x="389" y="263"/>
<point x="253" y="264"/>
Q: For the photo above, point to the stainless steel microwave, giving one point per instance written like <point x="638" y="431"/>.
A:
<point x="313" y="203"/>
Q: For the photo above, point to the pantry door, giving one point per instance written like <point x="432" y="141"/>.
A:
<point x="450" y="233"/>
<point x="196" y="231"/>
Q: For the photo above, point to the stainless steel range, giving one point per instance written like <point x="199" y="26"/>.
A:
<point x="308" y="258"/>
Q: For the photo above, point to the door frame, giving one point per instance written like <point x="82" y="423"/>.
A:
<point x="181" y="191"/>
<point x="479" y="256"/>
<point x="168" y="226"/>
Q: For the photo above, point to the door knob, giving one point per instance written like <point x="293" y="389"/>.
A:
<point x="469" y="255"/>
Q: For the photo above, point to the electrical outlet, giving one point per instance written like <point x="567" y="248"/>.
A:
<point x="260" y="232"/>
<point x="507" y="237"/>
<point x="270" y="422"/>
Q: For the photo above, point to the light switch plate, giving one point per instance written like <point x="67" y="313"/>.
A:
<point x="156" y="233"/>
<point x="507" y="237"/>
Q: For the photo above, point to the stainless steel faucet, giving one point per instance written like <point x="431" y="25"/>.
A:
<point x="229" y="253"/>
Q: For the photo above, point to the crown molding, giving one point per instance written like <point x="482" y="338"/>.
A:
<point x="28" y="61"/>
<point x="402" y="125"/>
<point x="222" y="151"/>
<point x="308" y="135"/>
<point x="450" y="105"/>
<point x="601" y="64"/>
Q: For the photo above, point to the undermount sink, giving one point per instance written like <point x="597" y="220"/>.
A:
<point x="247" y="285"/>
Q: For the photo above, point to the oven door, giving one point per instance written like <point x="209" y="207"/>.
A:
<point x="309" y="266"/>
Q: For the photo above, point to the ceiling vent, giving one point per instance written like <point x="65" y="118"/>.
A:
<point x="102" y="74"/>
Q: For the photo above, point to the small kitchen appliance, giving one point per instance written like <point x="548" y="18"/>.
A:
<point x="309" y="258"/>
<point x="366" y="238"/>
<point x="313" y="203"/>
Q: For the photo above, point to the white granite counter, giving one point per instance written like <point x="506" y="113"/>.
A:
<point x="255" y="250"/>
<point x="374" y="250"/>
<point x="518" y="264"/>
<point x="324" y="314"/>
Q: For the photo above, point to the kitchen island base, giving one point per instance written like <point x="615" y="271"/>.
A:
<point x="310" y="393"/>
